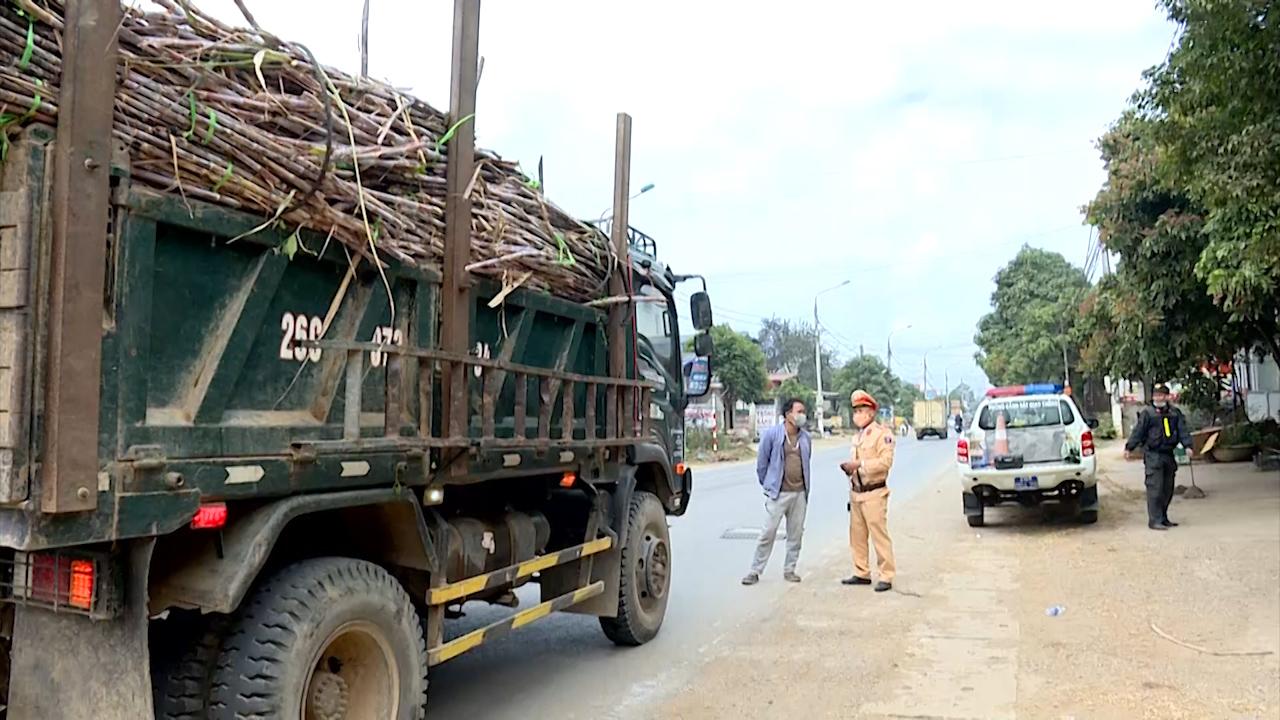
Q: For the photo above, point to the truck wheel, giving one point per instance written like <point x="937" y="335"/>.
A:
<point x="976" y="520"/>
<point x="182" y="680"/>
<point x="646" y="574"/>
<point x="1088" y="517"/>
<point x="324" y="638"/>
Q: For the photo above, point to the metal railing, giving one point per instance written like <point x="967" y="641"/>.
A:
<point x="626" y="401"/>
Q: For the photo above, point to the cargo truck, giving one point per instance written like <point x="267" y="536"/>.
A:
<point x="930" y="419"/>
<point x="239" y="484"/>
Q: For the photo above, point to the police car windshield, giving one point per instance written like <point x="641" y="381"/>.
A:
<point x="1027" y="412"/>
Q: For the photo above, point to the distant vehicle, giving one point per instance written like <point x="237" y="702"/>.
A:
<point x="930" y="419"/>
<point x="1028" y="444"/>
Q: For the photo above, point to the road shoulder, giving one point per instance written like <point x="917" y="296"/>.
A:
<point x="966" y="634"/>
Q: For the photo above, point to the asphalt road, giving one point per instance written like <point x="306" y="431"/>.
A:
<point x="564" y="667"/>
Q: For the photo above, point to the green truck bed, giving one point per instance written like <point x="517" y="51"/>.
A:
<point x="227" y="352"/>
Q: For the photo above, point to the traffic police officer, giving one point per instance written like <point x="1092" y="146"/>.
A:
<point x="868" y="471"/>
<point x="1160" y="428"/>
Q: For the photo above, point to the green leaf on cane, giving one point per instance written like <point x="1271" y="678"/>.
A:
<point x="564" y="256"/>
<point x="35" y="103"/>
<point x="289" y="247"/>
<point x="213" y="126"/>
<point x="226" y="175"/>
<point x="31" y="45"/>
<point x="444" y="139"/>
<point x="191" y="104"/>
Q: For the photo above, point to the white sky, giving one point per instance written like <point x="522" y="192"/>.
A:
<point x="911" y="148"/>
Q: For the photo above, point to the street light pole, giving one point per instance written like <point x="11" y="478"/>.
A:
<point x="817" y="354"/>
<point x="888" y="347"/>
<point x="608" y="212"/>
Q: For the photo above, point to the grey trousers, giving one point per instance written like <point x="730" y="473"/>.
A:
<point x="792" y="506"/>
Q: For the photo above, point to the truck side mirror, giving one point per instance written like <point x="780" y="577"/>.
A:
<point x="700" y="310"/>
<point x="703" y="345"/>
<point x="697" y="377"/>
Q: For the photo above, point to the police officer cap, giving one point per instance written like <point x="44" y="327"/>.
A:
<point x="1160" y="389"/>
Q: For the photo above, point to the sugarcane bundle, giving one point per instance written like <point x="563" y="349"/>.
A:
<point x="242" y="119"/>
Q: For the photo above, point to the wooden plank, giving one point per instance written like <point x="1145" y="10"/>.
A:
<point x="80" y="201"/>
<point x="456" y="300"/>
<point x="521" y="403"/>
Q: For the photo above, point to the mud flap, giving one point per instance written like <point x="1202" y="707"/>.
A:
<point x="68" y="667"/>
<point x="1089" y="498"/>
<point x="973" y="505"/>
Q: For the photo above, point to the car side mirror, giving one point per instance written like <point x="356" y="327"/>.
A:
<point x="1092" y="423"/>
<point x="697" y="377"/>
<point x="700" y="311"/>
<point x="703" y="345"/>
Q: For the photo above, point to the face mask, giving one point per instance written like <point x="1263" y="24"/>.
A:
<point x="1161" y="404"/>
<point x="861" y="420"/>
<point x="800" y="420"/>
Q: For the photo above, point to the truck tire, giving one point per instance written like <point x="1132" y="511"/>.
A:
<point x="328" y="637"/>
<point x="182" y="680"/>
<point x="1088" y="517"/>
<point x="645" y="578"/>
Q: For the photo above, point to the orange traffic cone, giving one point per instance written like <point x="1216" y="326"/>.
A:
<point x="1002" y="435"/>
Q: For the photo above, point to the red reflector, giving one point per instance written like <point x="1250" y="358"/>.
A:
<point x="81" y="594"/>
<point x="1086" y="444"/>
<point x="568" y="480"/>
<point x="680" y="468"/>
<point x="210" y="517"/>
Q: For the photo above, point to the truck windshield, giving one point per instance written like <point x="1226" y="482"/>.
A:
<point x="1028" y="413"/>
<point x="654" y="321"/>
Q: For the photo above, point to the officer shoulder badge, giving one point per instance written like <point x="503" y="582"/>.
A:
<point x="888" y="439"/>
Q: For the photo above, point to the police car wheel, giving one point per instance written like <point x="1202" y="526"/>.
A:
<point x="976" y="520"/>
<point x="1088" y="517"/>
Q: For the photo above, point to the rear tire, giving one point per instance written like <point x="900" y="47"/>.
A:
<point x="975" y="520"/>
<point x="182" y="679"/>
<point x="645" y="578"/>
<point x="329" y="637"/>
<point x="1088" y="517"/>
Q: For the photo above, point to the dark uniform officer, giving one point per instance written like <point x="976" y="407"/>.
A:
<point x="1160" y="429"/>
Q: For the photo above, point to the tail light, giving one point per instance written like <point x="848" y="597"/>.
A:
<point x="962" y="451"/>
<point x="210" y="516"/>
<point x="1086" y="444"/>
<point x="56" y="581"/>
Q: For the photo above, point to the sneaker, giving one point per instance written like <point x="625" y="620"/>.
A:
<point x="855" y="580"/>
<point x="751" y="578"/>
<point x="883" y="586"/>
<point x="791" y="577"/>
<point x="1169" y="523"/>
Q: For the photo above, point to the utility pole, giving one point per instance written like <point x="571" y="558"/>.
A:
<point x="364" y="41"/>
<point x="817" y="364"/>
<point x="924" y="381"/>
<point x="1066" y="368"/>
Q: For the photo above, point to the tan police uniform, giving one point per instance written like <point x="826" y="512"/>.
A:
<point x="869" y="501"/>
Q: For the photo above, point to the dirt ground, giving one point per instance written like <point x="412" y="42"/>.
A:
<point x="965" y="632"/>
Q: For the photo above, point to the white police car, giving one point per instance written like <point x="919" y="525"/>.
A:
<point x="1028" y="444"/>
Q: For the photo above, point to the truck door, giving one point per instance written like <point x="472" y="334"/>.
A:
<point x="658" y="351"/>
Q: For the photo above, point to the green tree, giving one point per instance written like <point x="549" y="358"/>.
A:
<point x="793" y="388"/>
<point x="964" y="394"/>
<point x="1034" y="307"/>
<point x="866" y="373"/>
<point x="1216" y="104"/>
<point x="789" y="346"/>
<point x="905" y="403"/>
<point x="1154" y="317"/>
<point x="738" y="362"/>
